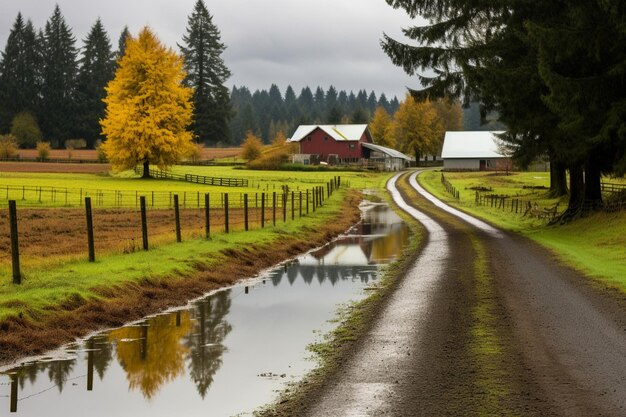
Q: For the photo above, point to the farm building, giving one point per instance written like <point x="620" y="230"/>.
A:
<point x="344" y="145"/>
<point x="473" y="151"/>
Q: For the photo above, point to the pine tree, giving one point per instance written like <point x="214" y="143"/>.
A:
<point x="57" y="112"/>
<point x="97" y="67"/>
<point x="148" y="109"/>
<point x="19" y="73"/>
<point x="121" y="43"/>
<point x="582" y="60"/>
<point x="206" y="74"/>
<point x="480" y="51"/>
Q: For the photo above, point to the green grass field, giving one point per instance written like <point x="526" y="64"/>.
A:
<point x="595" y="245"/>
<point x="123" y="189"/>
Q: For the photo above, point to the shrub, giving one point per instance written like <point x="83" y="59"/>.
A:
<point x="251" y="147"/>
<point x="196" y="152"/>
<point x="43" y="151"/>
<point x="102" y="156"/>
<point x="25" y="128"/>
<point x="8" y="146"/>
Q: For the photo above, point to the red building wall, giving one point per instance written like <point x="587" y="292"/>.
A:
<point x="321" y="143"/>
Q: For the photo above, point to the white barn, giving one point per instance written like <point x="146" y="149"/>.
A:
<point x="473" y="151"/>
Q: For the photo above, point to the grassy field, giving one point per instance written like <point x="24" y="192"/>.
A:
<point x="50" y="282"/>
<point x="59" y="189"/>
<point x="595" y="245"/>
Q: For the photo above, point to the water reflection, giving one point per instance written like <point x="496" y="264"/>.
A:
<point x="231" y="342"/>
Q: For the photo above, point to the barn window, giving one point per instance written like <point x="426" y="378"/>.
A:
<point x="326" y="138"/>
<point x="352" y="146"/>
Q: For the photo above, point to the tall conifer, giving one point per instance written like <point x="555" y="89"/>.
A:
<point x="58" y="80"/>
<point x="19" y="77"/>
<point x="206" y="73"/>
<point x="97" y="67"/>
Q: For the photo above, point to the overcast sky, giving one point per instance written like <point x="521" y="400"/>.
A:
<point x="297" y="42"/>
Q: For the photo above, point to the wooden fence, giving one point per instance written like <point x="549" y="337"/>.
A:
<point x="221" y="214"/>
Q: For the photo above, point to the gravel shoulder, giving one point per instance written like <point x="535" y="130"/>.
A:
<point x="483" y="323"/>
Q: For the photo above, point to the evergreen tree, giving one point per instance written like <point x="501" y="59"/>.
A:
<point x="480" y="51"/>
<point x="97" y="67"/>
<point x="57" y="112"/>
<point x="582" y="60"/>
<point x="372" y="102"/>
<point x="206" y="74"/>
<point x="359" y="116"/>
<point x="334" y="116"/>
<point x="148" y="109"/>
<point x="121" y="43"/>
<point x="320" y="100"/>
<point x="19" y="73"/>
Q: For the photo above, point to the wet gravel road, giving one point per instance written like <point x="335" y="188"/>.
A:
<point x="484" y="323"/>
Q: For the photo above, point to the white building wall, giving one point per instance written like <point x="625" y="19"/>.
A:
<point x="461" y="164"/>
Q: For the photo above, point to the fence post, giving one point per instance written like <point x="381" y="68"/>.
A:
<point x="300" y="205"/>
<point x="207" y="216"/>
<point x="144" y="222"/>
<point x="15" y="250"/>
<point x="274" y="208"/>
<point x="284" y="206"/>
<point x="14" y="384"/>
<point x="262" y="210"/>
<point x="177" y="218"/>
<point x="292" y="206"/>
<point x="226" y="212"/>
<point x="307" y="201"/>
<point x="90" y="243"/>
<point x="245" y="211"/>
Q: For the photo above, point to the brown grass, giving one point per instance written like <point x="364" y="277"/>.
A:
<point x="59" y="234"/>
<point x="54" y="167"/>
<point x="92" y="154"/>
<point x="20" y="337"/>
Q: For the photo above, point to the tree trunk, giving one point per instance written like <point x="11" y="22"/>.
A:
<point x="576" y="195"/>
<point x="558" y="179"/>
<point x="417" y="156"/>
<point x="593" y="184"/>
<point x="146" y="169"/>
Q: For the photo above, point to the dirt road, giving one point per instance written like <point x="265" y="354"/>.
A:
<point x="484" y="323"/>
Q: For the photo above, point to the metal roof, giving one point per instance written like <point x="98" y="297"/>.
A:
<point x="387" y="151"/>
<point x="467" y="144"/>
<point x="337" y="132"/>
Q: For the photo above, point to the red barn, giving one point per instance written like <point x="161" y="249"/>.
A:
<point x="332" y="143"/>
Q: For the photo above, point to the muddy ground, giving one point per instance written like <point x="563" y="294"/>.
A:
<point x="504" y="329"/>
<point x="77" y="317"/>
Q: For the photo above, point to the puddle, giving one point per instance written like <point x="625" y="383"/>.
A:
<point x="226" y="354"/>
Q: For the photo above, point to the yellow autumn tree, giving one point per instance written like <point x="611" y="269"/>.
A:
<point x="382" y="128"/>
<point x="416" y="127"/>
<point x="252" y="147"/>
<point x="148" y="109"/>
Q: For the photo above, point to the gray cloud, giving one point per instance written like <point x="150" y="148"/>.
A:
<point x="297" y="42"/>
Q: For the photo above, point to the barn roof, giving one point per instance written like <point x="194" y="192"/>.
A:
<point x="483" y="144"/>
<point x="337" y="132"/>
<point x="387" y="151"/>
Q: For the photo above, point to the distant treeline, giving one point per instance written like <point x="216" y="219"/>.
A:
<point x="52" y="90"/>
<point x="265" y="113"/>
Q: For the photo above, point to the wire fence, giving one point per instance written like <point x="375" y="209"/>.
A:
<point x="529" y="207"/>
<point x="50" y="196"/>
<point x="59" y="232"/>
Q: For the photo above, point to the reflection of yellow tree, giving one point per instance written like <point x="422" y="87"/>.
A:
<point x="389" y="246"/>
<point x="152" y="355"/>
